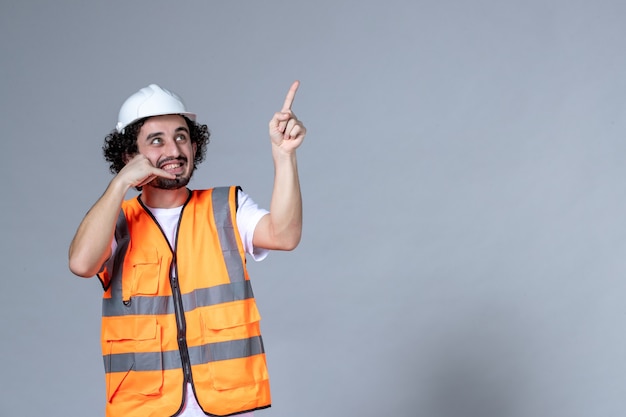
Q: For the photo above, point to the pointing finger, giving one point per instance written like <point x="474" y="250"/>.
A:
<point x="291" y="94"/>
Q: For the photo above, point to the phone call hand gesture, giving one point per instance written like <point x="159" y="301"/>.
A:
<point x="139" y="171"/>
<point x="286" y="131"/>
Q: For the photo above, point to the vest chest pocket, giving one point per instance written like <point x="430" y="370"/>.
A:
<point x="133" y="360"/>
<point x="229" y="321"/>
<point x="143" y="267"/>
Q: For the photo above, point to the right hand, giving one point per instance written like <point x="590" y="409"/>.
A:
<point x="139" y="171"/>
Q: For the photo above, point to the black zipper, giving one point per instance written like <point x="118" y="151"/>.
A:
<point x="181" y="324"/>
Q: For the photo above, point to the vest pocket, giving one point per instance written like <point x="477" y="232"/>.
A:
<point x="133" y="360"/>
<point x="220" y="320"/>
<point x="238" y="373"/>
<point x="232" y="337"/>
<point x="146" y="273"/>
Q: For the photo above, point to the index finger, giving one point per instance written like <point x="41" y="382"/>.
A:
<point x="291" y="94"/>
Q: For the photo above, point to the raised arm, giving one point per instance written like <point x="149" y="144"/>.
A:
<point x="91" y="245"/>
<point x="281" y="229"/>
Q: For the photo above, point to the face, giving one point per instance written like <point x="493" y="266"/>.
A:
<point x="166" y="142"/>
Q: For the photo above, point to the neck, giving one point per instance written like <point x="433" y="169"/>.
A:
<point x="159" y="198"/>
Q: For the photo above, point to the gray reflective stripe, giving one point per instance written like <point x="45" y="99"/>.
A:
<point x="156" y="305"/>
<point x="122" y="238"/>
<point x="156" y="361"/>
<point x="226" y="233"/>
<point x="222" y="351"/>
<point x="121" y="229"/>
<point x="146" y="361"/>
<point x="216" y="295"/>
<point x="138" y="305"/>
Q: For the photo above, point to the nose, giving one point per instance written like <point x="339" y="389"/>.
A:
<point x="171" y="148"/>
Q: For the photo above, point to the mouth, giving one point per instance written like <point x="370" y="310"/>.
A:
<point x="173" y="167"/>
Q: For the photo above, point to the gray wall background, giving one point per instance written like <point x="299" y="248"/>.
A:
<point x="463" y="249"/>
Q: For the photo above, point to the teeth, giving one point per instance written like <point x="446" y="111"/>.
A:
<point x="171" y="166"/>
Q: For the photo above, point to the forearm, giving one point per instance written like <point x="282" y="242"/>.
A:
<point x="286" y="203"/>
<point x="91" y="245"/>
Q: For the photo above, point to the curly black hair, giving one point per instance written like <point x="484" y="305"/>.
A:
<point x="118" y="146"/>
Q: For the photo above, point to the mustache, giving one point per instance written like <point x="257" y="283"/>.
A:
<point x="169" y="160"/>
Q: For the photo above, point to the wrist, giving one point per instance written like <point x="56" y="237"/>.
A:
<point x="280" y="152"/>
<point x="119" y="186"/>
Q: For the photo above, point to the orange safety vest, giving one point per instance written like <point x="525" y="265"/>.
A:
<point x="172" y="316"/>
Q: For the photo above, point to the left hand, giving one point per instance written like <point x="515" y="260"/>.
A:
<point x="286" y="131"/>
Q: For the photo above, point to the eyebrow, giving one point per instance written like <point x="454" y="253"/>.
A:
<point x="156" y="134"/>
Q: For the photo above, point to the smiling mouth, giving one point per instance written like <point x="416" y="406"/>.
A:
<point x="174" y="165"/>
<point x="171" y="166"/>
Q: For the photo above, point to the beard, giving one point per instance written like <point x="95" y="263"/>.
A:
<point x="168" y="184"/>
<point x="171" y="184"/>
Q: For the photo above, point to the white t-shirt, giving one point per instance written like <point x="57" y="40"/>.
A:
<point x="248" y="215"/>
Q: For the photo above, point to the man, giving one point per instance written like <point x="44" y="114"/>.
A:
<point x="180" y="327"/>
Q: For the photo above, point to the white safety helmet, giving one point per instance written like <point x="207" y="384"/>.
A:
<point x="150" y="101"/>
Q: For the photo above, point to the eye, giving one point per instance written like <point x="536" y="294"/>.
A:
<point x="181" y="138"/>
<point x="156" y="141"/>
